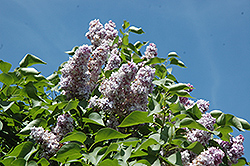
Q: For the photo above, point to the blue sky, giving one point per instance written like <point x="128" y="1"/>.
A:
<point x="211" y="37"/>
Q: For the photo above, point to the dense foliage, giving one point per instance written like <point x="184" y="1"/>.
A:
<point x="110" y="104"/>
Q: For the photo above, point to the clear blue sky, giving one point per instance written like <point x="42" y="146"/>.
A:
<point x="212" y="38"/>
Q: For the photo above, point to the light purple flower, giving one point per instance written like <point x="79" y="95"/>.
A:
<point x="113" y="61"/>
<point x="202" y="105"/>
<point x="210" y="157"/>
<point x="234" y="148"/>
<point x="202" y="136"/>
<point x="75" y="76"/>
<point x="64" y="125"/>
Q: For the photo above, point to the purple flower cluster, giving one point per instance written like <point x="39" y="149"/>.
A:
<point x="75" y="76"/>
<point x="151" y="51"/>
<point x="200" y="135"/>
<point x="117" y="87"/>
<point x="201" y="104"/>
<point x="211" y="156"/>
<point x="46" y="139"/>
<point x="141" y="87"/>
<point x="98" y="34"/>
<point x="49" y="141"/>
<point x="98" y="59"/>
<point x="234" y="148"/>
<point x="81" y="72"/>
<point x="114" y="60"/>
<point x="64" y="125"/>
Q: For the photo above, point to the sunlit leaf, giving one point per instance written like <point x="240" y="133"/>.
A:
<point x="175" y="159"/>
<point x="190" y="123"/>
<point x="35" y="123"/>
<point x="136" y="30"/>
<point x="109" y="162"/>
<point x="94" y="118"/>
<point x="21" y="150"/>
<point x="29" y="71"/>
<point x="135" y="118"/>
<point x="125" y="24"/>
<point x="68" y="152"/>
<point x="107" y="134"/>
<point x="5" y="66"/>
<point x="43" y="162"/>
<point x="173" y="54"/>
<point x="30" y="60"/>
<point x="177" y="62"/>
<point x="6" y="78"/>
<point x="72" y="104"/>
<point x="74" y="136"/>
<point x="72" y="52"/>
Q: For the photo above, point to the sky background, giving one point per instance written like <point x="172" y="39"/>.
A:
<point x="211" y="37"/>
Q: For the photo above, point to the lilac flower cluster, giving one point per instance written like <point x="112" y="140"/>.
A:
<point x="49" y="141"/>
<point x="200" y="135"/>
<point x="113" y="61"/>
<point x="211" y="156"/>
<point x="64" y="125"/>
<point x="151" y="51"/>
<point x="141" y="87"/>
<point x="80" y="74"/>
<point x="75" y="77"/>
<point x="117" y="87"/>
<point x="234" y="148"/>
<point x="46" y="139"/>
<point x="98" y="34"/>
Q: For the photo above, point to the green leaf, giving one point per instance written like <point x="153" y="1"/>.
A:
<point x="109" y="162"/>
<point x="195" y="112"/>
<point x="29" y="71"/>
<point x="72" y="52"/>
<point x="182" y="93"/>
<point x="225" y="130"/>
<point x="244" y="124"/>
<point x="31" y="91"/>
<point x="125" y="24"/>
<point x="177" y="62"/>
<point x="173" y="54"/>
<point x="125" y="40"/>
<point x="68" y="152"/>
<point x="215" y="113"/>
<point x="175" y="159"/>
<point x="5" y="66"/>
<point x="107" y="134"/>
<point x="74" y="136"/>
<point x="190" y="123"/>
<point x="136" y="30"/>
<point x="21" y="150"/>
<point x="135" y="118"/>
<point x="112" y="148"/>
<point x="30" y="60"/>
<point x="136" y="58"/>
<point x="32" y="163"/>
<point x="138" y="151"/>
<point x="178" y="87"/>
<point x="138" y="44"/>
<point x="154" y="107"/>
<point x="71" y="105"/>
<point x="195" y="147"/>
<point x="1" y="125"/>
<point x="35" y="123"/>
<point x="116" y="40"/>
<point x="142" y="162"/>
<point x="6" y="79"/>
<point x="241" y="161"/>
<point x="155" y="60"/>
<point x="43" y="162"/>
<point x="94" y="118"/>
<point x="7" y="160"/>
<point x="236" y="122"/>
<point x="176" y="107"/>
<point x="19" y="162"/>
